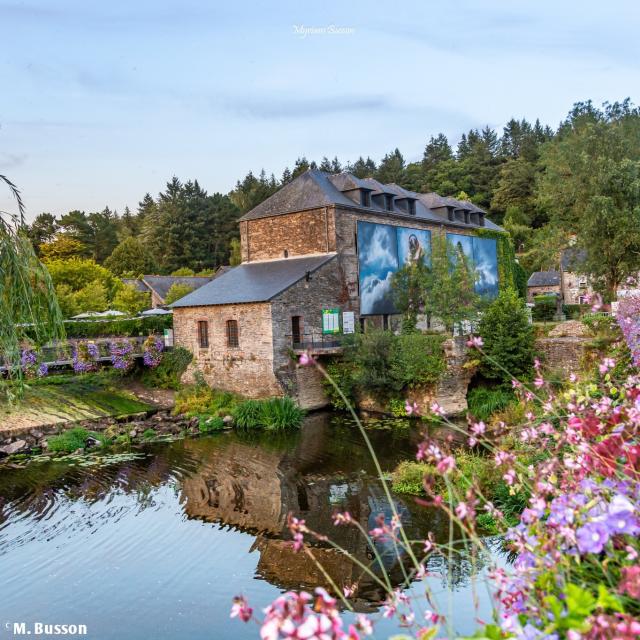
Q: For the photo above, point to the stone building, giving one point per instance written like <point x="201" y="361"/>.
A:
<point x="317" y="258"/>
<point x="158" y="286"/>
<point x="568" y="283"/>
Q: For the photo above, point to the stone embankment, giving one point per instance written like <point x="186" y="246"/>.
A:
<point x="161" y="421"/>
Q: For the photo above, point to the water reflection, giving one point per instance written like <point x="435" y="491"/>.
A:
<point x="244" y="484"/>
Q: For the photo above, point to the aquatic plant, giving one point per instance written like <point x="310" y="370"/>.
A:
<point x="72" y="440"/>
<point x="576" y="543"/>
<point x="210" y="424"/>
<point x="274" y="414"/>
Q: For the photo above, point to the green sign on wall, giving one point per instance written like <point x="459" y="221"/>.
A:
<point x="330" y="321"/>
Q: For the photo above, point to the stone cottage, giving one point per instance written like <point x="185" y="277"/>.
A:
<point x="158" y="286"/>
<point x="568" y="283"/>
<point x="317" y="259"/>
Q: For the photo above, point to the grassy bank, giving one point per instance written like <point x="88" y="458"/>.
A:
<point x="59" y="399"/>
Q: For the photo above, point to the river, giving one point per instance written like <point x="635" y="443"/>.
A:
<point x="154" y="544"/>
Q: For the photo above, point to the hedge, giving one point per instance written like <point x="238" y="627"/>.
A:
<point x="126" y="328"/>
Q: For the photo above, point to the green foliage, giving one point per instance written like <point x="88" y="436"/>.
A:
<point x="444" y="289"/>
<point x="483" y="402"/>
<point x="183" y="271"/>
<point x="201" y="399"/>
<point x="381" y="363"/>
<point x="545" y="308"/>
<point x="148" y="434"/>
<point x="273" y="414"/>
<point x="168" y="373"/>
<point x="210" y="424"/>
<point x="130" y="256"/>
<point x="131" y="301"/>
<point x="176" y="291"/>
<point x="72" y="440"/>
<point x="574" y="311"/>
<point x="247" y="414"/>
<point x="62" y="247"/>
<point x="342" y="375"/>
<point x="123" y="327"/>
<point x="93" y="297"/>
<point x="508" y="339"/>
<point x="78" y="273"/>
<point x="28" y="303"/>
<point x="416" y="359"/>
<point x="408" y="477"/>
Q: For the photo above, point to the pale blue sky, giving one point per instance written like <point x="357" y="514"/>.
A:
<point x="103" y="101"/>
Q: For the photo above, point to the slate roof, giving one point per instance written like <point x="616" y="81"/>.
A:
<point x="314" y="189"/>
<point x="544" y="279"/>
<point x="138" y="284"/>
<point x="253" y="282"/>
<point x="162" y="284"/>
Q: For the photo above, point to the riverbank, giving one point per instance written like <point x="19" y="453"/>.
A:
<point x="67" y="399"/>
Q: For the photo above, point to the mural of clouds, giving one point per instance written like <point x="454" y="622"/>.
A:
<point x="378" y="260"/>
<point x="413" y="245"/>
<point x="483" y="255"/>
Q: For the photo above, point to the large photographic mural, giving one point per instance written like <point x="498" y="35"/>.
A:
<point x="482" y="254"/>
<point x="382" y="249"/>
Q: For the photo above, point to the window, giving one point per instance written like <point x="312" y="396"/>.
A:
<point x="385" y="322"/>
<point x="203" y="334"/>
<point x="296" y="329"/>
<point x="412" y="207"/>
<point x="286" y="253"/>
<point x="388" y="202"/>
<point x="232" y="333"/>
<point x="365" y="198"/>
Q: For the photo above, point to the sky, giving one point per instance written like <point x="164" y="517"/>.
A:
<point x="102" y="102"/>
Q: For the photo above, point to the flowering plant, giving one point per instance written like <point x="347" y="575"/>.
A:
<point x="85" y="357"/>
<point x="152" y="351"/>
<point x="122" y="356"/>
<point x="30" y="366"/>
<point x="576" y="546"/>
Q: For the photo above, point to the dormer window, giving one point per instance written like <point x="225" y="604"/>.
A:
<point x="365" y="198"/>
<point x="450" y="215"/>
<point x="388" y="201"/>
<point x="412" y="207"/>
<point x="481" y="219"/>
<point x="466" y="216"/>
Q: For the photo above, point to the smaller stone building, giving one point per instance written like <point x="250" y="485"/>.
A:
<point x="159" y="286"/>
<point x="572" y="286"/>
<point x="244" y="326"/>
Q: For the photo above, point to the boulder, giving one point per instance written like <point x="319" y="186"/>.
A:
<point x="14" y="447"/>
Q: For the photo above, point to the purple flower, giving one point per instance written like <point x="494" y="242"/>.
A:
<point x="621" y="517"/>
<point x="592" y="537"/>
<point x="28" y="358"/>
<point x="43" y="370"/>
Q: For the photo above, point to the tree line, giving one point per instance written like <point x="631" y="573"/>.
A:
<point x="577" y="185"/>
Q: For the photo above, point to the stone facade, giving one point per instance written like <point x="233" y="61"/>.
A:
<point x="297" y="234"/>
<point x="542" y="290"/>
<point x="262" y="365"/>
<point x="246" y="369"/>
<point x="564" y="354"/>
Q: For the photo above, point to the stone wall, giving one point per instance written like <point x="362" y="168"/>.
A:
<point x="247" y="369"/>
<point x="307" y="300"/>
<point x="540" y="291"/>
<point x="563" y="354"/>
<point x="302" y="233"/>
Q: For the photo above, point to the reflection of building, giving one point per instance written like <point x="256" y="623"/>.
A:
<point x="322" y="246"/>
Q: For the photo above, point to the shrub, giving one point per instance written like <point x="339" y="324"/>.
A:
<point x="508" y="339"/>
<point x="147" y="434"/>
<point x="483" y="402"/>
<point x="176" y="291"/>
<point x="407" y="477"/>
<point x="209" y="424"/>
<point x="200" y="399"/>
<point x="574" y="311"/>
<point x="342" y="374"/>
<point x="247" y="414"/>
<point x="274" y="414"/>
<point x="544" y="309"/>
<point x="168" y="373"/>
<point x="72" y="440"/>
<point x="381" y="363"/>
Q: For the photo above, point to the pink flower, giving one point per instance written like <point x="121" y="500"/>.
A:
<point x="475" y="342"/>
<point x="411" y="408"/>
<point x="241" y="609"/>
<point x="341" y="518"/>
<point x="510" y="477"/>
<point x="446" y="465"/>
<point x="630" y="582"/>
<point x="306" y="359"/>
<point x="462" y="511"/>
<point x="364" y="624"/>
<point x="437" y="409"/>
<point x="606" y="365"/>
<point x="539" y="382"/>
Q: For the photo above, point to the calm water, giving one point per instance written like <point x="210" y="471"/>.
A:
<point x="155" y="547"/>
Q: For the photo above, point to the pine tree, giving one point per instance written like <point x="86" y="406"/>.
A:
<point x="392" y="168"/>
